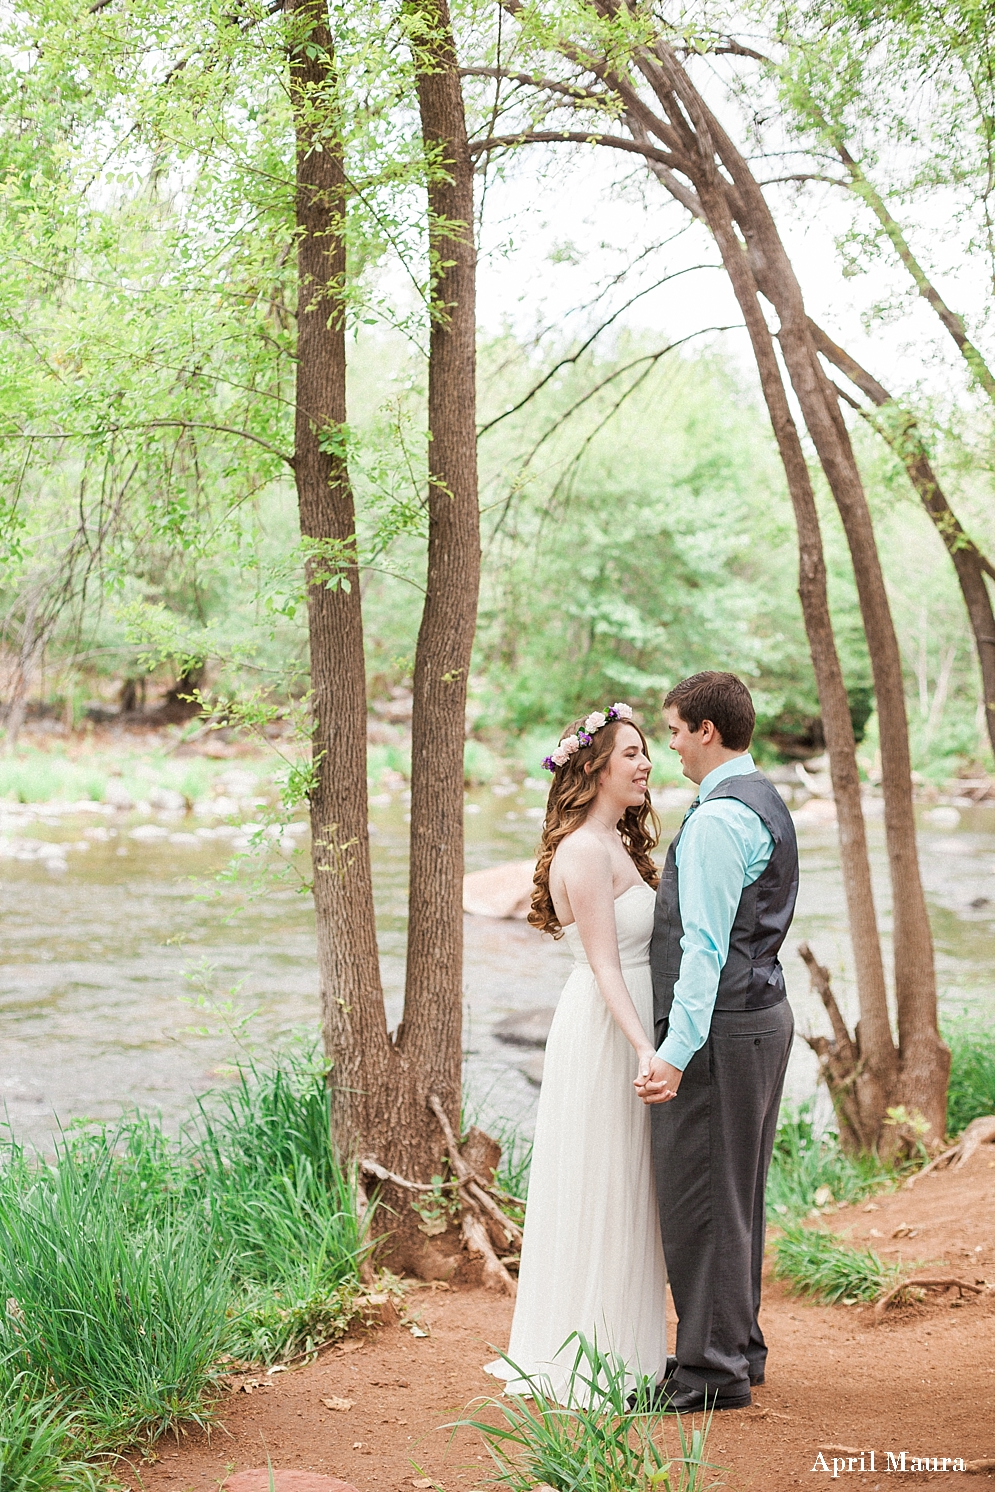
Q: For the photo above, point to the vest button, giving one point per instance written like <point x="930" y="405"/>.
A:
<point x="756" y="1041"/>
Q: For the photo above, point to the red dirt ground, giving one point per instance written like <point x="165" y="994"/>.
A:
<point x="923" y="1381"/>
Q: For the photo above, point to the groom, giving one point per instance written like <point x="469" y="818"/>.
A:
<point x="724" y="1028"/>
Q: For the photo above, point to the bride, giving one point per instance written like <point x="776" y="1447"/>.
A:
<point x="592" y="1261"/>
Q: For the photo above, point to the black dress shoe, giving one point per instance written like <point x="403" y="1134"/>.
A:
<point x="675" y="1398"/>
<point x="632" y="1402"/>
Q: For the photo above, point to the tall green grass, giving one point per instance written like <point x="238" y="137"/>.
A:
<point x="133" y="1268"/>
<point x="265" y="1179"/>
<point x="972" y="1071"/>
<point x="602" y="1440"/>
<point x="819" y="1264"/>
<point x="810" y="1169"/>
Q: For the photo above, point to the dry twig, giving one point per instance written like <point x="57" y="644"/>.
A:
<point x="924" y="1282"/>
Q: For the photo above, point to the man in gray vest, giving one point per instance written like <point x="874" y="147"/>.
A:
<point x="724" y="1030"/>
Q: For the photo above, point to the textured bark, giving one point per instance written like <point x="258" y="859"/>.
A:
<point x="353" y="1019"/>
<point x="969" y="563"/>
<point x="705" y="146"/>
<point x="874" y="1085"/>
<point x="725" y="193"/>
<point x="429" y="1040"/>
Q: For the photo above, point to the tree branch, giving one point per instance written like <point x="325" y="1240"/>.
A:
<point x="530" y="80"/>
<point x="575" y="357"/>
<point x="577" y="137"/>
<point x="158" y="425"/>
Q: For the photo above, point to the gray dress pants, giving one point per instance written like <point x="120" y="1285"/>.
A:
<point x="712" y="1146"/>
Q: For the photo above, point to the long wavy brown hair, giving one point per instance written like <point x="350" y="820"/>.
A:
<point x="571" y="795"/>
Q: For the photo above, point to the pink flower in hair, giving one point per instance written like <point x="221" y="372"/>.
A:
<point x="559" y="757"/>
<point x="595" y="721"/>
<point x="570" y="744"/>
<point x="624" y="712"/>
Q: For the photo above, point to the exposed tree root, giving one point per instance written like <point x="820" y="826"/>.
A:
<point x="923" y="1282"/>
<point x="371" y="1168"/>
<point x="477" y="1202"/>
<point x="483" y="1218"/>
<point x="979" y="1132"/>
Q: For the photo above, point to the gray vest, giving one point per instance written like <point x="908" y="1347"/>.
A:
<point x="752" y="977"/>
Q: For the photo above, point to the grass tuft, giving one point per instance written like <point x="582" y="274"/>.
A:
<point x="596" y="1443"/>
<point x="123" y="1319"/>
<point x="811" y="1170"/>
<point x="267" y="1181"/>
<point x="817" y="1263"/>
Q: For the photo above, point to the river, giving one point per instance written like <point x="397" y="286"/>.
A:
<point x="131" y="976"/>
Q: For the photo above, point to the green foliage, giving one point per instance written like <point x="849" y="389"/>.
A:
<point x="597" y="1443"/>
<point x="124" y="1316"/>
<point x="971" y="1092"/>
<point x="133" y="1266"/>
<point x="268" y="1184"/>
<point x="817" y="1263"/>
<point x="36" y="1451"/>
<point x="809" y="1169"/>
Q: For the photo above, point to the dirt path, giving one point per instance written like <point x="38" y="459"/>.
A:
<point x="922" y="1382"/>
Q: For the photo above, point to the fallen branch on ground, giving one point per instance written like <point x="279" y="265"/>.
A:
<point x="476" y="1202"/>
<point x="930" y="1282"/>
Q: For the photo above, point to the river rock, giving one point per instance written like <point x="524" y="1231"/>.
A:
<point x="500" y="891"/>
<point x="263" y="1478"/>
<point x="817" y="813"/>
<point x="526" y="1027"/>
<point x="118" y="796"/>
<point x="167" y="800"/>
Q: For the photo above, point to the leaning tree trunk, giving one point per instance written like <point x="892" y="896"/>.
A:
<point x="429" y="1041"/>
<point x="353" y="1017"/>
<point x="925" y="1060"/>
<point x="700" y="139"/>
<point x="870" y="1083"/>
<point x="970" y="564"/>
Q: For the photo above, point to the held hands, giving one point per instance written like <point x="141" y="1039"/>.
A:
<point x="657" y="1082"/>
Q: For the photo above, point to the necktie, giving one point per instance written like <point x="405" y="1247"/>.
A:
<point x="691" y="809"/>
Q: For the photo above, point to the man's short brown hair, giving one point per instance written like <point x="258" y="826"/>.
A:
<point x="721" y="698"/>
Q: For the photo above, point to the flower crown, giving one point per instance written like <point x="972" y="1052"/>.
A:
<point x="594" y="722"/>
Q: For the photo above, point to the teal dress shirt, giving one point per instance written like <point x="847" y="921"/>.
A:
<point x="723" y="849"/>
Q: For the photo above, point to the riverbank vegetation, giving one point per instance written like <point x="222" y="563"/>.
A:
<point x="137" y="1269"/>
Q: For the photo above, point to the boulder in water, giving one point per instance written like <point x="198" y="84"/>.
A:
<point x="500" y="891"/>
<point x="526" y="1027"/>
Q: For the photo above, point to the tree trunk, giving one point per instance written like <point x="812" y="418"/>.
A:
<point x="429" y="1040"/>
<point x="353" y="1018"/>
<point x="969" y="563"/>
<point x="873" y="1077"/>
<point x="924" y="1060"/>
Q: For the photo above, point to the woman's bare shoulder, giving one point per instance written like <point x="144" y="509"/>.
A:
<point x="582" y="850"/>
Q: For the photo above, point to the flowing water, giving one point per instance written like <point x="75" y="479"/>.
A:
<point x="130" y="975"/>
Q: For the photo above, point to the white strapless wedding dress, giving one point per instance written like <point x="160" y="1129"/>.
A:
<point x="592" y="1261"/>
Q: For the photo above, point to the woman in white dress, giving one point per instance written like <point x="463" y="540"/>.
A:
<point x="592" y="1262"/>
